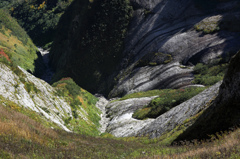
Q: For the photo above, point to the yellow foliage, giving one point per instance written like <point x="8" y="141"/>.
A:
<point x="41" y="6"/>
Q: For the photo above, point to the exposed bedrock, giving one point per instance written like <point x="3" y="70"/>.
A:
<point x="120" y="113"/>
<point x="224" y="112"/>
<point x="179" y="31"/>
<point x="122" y="124"/>
<point x="176" y="116"/>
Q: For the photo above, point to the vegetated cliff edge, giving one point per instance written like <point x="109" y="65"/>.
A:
<point x="16" y="46"/>
<point x="163" y="36"/>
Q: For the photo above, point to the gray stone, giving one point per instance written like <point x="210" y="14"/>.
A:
<point x="120" y="113"/>
<point x="167" y="26"/>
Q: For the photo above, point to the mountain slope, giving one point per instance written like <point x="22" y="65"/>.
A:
<point x="89" y="42"/>
<point x="38" y="17"/>
<point x="71" y="109"/>
<point x="163" y="38"/>
<point x="16" y="44"/>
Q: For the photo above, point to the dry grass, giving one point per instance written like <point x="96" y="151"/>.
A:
<point x="21" y="126"/>
<point x="24" y="137"/>
<point x="225" y="145"/>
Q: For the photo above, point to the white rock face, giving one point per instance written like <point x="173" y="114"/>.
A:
<point x="177" y="115"/>
<point x="120" y="113"/>
<point x="101" y="104"/>
<point x="45" y="101"/>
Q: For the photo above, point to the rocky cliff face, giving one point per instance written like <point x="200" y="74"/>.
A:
<point x="26" y="91"/>
<point x="163" y="35"/>
<point x="181" y="32"/>
<point x="223" y="113"/>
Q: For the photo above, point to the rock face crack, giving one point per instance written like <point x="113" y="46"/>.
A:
<point x="48" y="72"/>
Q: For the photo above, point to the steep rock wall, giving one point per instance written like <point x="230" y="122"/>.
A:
<point x="187" y="32"/>
<point x="163" y="35"/>
<point x="224" y="111"/>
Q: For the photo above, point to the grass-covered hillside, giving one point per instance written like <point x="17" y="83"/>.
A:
<point x="26" y="136"/>
<point x="16" y="47"/>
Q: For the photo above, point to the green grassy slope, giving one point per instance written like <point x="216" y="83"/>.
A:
<point x="15" y="43"/>
<point x="85" y="115"/>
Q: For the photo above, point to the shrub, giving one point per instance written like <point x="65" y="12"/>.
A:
<point x="209" y="74"/>
<point x="166" y="101"/>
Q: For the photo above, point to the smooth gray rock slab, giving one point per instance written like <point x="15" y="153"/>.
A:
<point x="168" y="26"/>
<point x="120" y="113"/>
<point x="177" y="115"/>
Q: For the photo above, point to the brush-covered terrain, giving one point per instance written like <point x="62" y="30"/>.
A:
<point x="25" y="135"/>
<point x="168" y="71"/>
<point x="16" y="46"/>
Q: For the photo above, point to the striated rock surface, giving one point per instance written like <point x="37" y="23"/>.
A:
<point x="146" y="78"/>
<point x="122" y="124"/>
<point x="182" y="30"/>
<point x="120" y="113"/>
<point x="177" y="115"/>
<point x="162" y="37"/>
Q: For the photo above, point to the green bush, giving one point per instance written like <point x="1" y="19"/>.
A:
<point x="209" y="74"/>
<point x="167" y="100"/>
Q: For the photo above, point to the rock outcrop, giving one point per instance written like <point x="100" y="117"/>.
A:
<point x="224" y="111"/>
<point x="122" y="124"/>
<point x="181" y="29"/>
<point x="27" y="91"/>
<point x="120" y="113"/>
<point x="163" y="37"/>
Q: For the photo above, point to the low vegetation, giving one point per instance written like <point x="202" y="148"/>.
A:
<point x="153" y="59"/>
<point x="168" y="98"/>
<point x="16" y="47"/>
<point x="209" y="25"/>
<point x="209" y="74"/>
<point x="24" y="135"/>
<point x="85" y="115"/>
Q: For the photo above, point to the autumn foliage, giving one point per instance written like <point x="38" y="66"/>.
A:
<point x="3" y="54"/>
